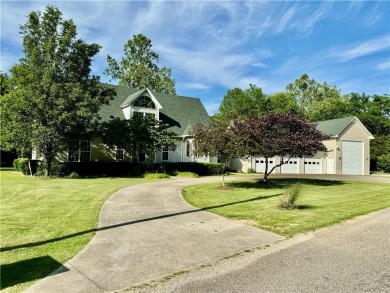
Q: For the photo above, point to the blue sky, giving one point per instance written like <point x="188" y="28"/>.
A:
<point x="214" y="46"/>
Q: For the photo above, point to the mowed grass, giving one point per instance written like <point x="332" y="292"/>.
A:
<point x="45" y="222"/>
<point x="321" y="203"/>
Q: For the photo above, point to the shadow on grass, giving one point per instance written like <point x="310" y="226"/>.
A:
<point x="6" y="169"/>
<point x="306" y="207"/>
<point x="33" y="244"/>
<point x="276" y="183"/>
<point x="27" y="270"/>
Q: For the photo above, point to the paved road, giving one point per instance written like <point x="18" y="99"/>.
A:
<point x="351" y="257"/>
<point x="148" y="231"/>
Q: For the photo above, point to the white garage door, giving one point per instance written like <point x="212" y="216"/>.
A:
<point x="292" y="167"/>
<point x="352" y="155"/>
<point x="313" y="166"/>
<point x="260" y="165"/>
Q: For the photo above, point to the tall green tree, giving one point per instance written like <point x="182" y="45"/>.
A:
<point x="54" y="95"/>
<point x="332" y="108"/>
<point x="138" y="67"/>
<point x="139" y="134"/>
<point x="240" y="104"/>
<point x="309" y="92"/>
<point x="283" y="103"/>
<point x="5" y="84"/>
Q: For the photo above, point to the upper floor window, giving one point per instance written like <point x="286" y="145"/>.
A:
<point x="144" y="102"/>
<point x="144" y="114"/>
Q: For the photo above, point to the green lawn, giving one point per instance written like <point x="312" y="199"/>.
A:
<point x="45" y="222"/>
<point x="322" y="203"/>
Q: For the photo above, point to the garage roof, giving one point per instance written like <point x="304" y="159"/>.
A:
<point x="335" y="126"/>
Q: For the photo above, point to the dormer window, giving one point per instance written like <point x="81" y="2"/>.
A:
<point x="144" y="102"/>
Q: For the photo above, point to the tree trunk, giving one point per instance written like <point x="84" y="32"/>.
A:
<point x="266" y="171"/>
<point x="48" y="166"/>
<point x="29" y="166"/>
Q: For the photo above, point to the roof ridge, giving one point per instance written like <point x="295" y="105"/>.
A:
<point x="351" y="117"/>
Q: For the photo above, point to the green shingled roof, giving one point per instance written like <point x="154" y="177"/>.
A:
<point x="335" y="126"/>
<point x="180" y="113"/>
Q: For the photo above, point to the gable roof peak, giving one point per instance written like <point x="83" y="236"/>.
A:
<point x="131" y="98"/>
<point x="334" y="127"/>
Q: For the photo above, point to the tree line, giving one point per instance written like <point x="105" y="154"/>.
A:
<point x="50" y="97"/>
<point x="309" y="99"/>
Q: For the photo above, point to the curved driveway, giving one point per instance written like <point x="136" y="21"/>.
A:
<point x="148" y="231"/>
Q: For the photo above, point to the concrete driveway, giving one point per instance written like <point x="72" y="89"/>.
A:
<point x="149" y="231"/>
<point x="146" y="232"/>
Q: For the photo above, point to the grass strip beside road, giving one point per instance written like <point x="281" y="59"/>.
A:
<point x="45" y="222"/>
<point x="321" y="203"/>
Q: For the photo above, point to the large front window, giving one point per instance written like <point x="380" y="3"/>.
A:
<point x="79" y="151"/>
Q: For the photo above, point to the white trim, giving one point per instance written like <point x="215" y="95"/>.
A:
<point x="355" y="119"/>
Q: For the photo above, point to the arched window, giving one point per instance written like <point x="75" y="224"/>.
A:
<point x="144" y="102"/>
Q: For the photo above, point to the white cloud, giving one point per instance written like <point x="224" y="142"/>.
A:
<point x="285" y="19"/>
<point x="195" y="85"/>
<point x="384" y="65"/>
<point x="307" y="24"/>
<point x="212" y="66"/>
<point x="362" y="49"/>
<point x="211" y="107"/>
<point x="245" y="81"/>
<point x="259" y="64"/>
<point x="374" y="16"/>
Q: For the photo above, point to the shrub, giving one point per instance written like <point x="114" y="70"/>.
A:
<point x="57" y="169"/>
<point x="156" y="176"/>
<point x="290" y="196"/>
<point x="384" y="163"/>
<point x="100" y="168"/>
<point x="185" y="174"/>
<point x="202" y="169"/>
<point x="21" y="165"/>
<point x="251" y="171"/>
<point x="73" y="175"/>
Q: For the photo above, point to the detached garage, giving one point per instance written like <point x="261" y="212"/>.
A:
<point x="348" y="152"/>
<point x="349" y="148"/>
